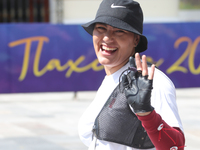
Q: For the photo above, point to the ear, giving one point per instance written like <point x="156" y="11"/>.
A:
<point x="137" y="39"/>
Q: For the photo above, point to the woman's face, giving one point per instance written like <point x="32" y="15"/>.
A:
<point x="113" y="46"/>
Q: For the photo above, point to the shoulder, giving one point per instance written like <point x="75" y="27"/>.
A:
<point x="163" y="88"/>
<point x="162" y="80"/>
<point x="164" y="99"/>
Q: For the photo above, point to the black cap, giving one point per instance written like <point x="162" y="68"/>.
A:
<point x="122" y="14"/>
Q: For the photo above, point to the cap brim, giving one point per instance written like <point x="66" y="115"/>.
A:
<point x="89" y="27"/>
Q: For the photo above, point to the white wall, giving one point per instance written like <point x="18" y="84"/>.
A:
<point x="80" y="11"/>
<point x="159" y="10"/>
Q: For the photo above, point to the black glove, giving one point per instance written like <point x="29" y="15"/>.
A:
<point x="137" y="89"/>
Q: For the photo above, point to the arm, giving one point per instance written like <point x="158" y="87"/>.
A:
<point x="138" y="94"/>
<point x="161" y="134"/>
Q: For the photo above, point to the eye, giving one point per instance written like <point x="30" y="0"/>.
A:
<point x="100" y="28"/>
<point x="120" y="32"/>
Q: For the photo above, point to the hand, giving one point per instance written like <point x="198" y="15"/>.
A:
<point x="138" y="85"/>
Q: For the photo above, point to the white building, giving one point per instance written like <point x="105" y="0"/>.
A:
<point x="80" y="11"/>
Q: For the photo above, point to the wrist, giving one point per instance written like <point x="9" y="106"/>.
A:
<point x="143" y="114"/>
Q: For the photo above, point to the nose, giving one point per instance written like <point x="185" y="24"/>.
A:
<point x="108" y="37"/>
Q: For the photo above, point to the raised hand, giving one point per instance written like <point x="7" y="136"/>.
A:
<point x="138" y="85"/>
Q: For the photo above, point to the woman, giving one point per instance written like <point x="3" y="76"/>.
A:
<point x="127" y="114"/>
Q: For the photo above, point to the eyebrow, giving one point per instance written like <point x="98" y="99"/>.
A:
<point x="102" y="24"/>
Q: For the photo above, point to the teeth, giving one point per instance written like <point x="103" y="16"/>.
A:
<point x="108" y="49"/>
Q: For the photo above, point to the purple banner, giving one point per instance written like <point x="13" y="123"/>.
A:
<point x="175" y="47"/>
<point x="48" y="58"/>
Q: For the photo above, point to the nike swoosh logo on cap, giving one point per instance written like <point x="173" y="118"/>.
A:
<point x="113" y="6"/>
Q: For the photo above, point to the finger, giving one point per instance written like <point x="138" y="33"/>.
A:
<point x="151" y="74"/>
<point x="138" y="61"/>
<point x="124" y="80"/>
<point x="132" y="62"/>
<point x="144" y="66"/>
<point x="132" y="65"/>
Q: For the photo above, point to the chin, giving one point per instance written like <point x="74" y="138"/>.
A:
<point x="103" y="60"/>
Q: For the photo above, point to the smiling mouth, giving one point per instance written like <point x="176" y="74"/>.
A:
<point x="108" y="49"/>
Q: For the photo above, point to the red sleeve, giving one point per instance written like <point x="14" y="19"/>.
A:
<point x="161" y="134"/>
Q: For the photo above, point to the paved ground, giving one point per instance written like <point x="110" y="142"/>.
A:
<point x="48" y="121"/>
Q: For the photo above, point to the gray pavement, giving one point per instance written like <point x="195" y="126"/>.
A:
<point x="48" y="121"/>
